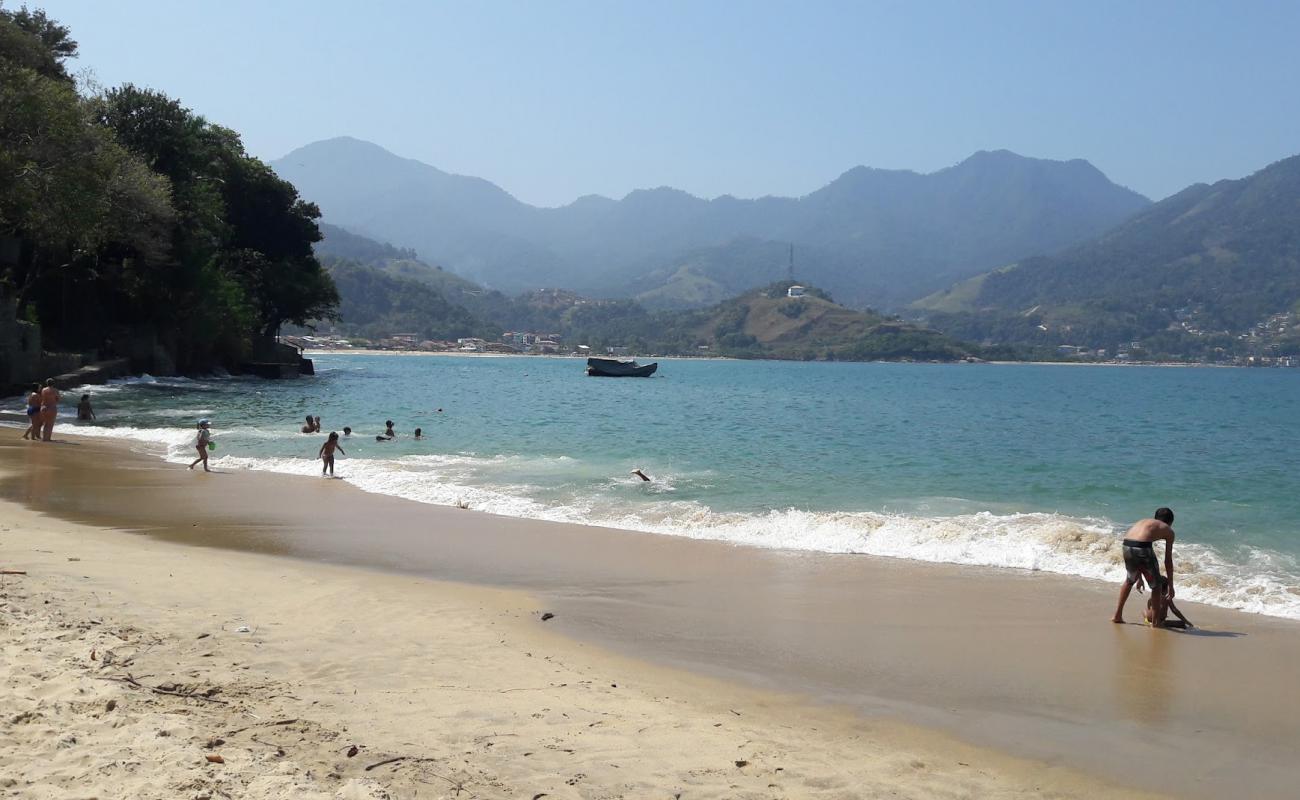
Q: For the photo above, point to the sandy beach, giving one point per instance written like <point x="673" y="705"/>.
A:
<point x="671" y="667"/>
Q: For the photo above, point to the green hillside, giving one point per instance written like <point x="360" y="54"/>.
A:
<point x="1197" y="271"/>
<point x="393" y="294"/>
<point x="766" y="323"/>
<point x="374" y="304"/>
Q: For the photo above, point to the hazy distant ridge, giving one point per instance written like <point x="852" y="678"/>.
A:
<point x="871" y="237"/>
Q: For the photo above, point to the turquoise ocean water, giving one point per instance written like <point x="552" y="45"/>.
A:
<point x="1015" y="466"/>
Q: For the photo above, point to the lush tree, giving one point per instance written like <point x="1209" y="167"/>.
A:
<point x="31" y="40"/>
<point x="132" y="212"/>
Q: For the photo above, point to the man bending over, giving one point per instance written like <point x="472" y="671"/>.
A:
<point x="1140" y="561"/>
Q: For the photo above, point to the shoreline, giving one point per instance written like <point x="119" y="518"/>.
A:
<point x="300" y="677"/>
<point x="1197" y="577"/>
<point x="476" y="694"/>
<point x="678" y="602"/>
<point x="476" y="354"/>
<point x="472" y="354"/>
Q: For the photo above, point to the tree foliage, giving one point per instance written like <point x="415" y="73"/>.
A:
<point x="137" y="217"/>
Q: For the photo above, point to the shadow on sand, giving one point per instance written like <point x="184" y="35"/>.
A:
<point x="1208" y="633"/>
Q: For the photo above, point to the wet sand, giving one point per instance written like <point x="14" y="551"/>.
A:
<point x="314" y="682"/>
<point x="1024" y="663"/>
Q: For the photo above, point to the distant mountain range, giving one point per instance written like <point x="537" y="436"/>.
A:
<point x="1196" y="271"/>
<point x="871" y="237"/>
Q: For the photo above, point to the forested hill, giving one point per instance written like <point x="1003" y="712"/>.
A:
<point x="872" y="237"/>
<point x="1206" y="264"/>
<point x="340" y="243"/>
<point x="388" y="293"/>
<point x="767" y="323"/>
<point x="131" y="226"/>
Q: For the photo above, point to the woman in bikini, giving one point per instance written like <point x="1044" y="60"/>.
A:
<point x="49" y="409"/>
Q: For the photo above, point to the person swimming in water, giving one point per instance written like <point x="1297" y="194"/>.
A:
<point x="640" y="474"/>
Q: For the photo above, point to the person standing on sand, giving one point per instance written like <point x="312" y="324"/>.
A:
<point x="1140" y="561"/>
<point x="33" y="431"/>
<point x="326" y="454"/>
<point x="201" y="444"/>
<point x="49" y="409"/>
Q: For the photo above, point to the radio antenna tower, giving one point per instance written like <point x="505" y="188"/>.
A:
<point x="790" y="270"/>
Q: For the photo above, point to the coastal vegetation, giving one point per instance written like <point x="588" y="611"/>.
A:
<point x="131" y="226"/>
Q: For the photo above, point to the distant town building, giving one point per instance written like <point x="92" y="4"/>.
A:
<point x="795" y="291"/>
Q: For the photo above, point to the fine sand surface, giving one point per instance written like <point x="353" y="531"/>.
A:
<point x="1022" y="663"/>
<point x="284" y="668"/>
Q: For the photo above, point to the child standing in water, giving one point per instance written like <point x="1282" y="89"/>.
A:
<point x="84" y="411"/>
<point x="326" y="454"/>
<point x="201" y="444"/>
<point x="33" y="431"/>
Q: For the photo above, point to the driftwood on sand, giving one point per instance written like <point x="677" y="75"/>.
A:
<point x="130" y="679"/>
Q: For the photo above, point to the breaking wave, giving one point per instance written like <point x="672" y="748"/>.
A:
<point x="1249" y="579"/>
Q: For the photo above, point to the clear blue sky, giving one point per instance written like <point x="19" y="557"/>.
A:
<point x="555" y="99"/>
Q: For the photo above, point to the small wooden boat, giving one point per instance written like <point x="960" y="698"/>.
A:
<point x="614" y="368"/>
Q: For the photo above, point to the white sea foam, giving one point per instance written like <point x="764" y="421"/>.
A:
<point x="1258" y="581"/>
<point x="167" y="442"/>
<point x="1266" y="584"/>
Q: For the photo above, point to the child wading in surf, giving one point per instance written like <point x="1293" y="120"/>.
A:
<point x="201" y="444"/>
<point x="326" y="454"/>
<point x="33" y="431"/>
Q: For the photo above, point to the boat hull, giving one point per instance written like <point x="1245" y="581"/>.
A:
<point x="611" y="368"/>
